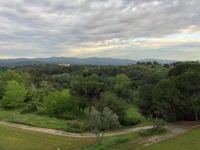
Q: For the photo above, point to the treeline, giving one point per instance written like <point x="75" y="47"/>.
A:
<point x="159" y="90"/>
<point x="175" y="98"/>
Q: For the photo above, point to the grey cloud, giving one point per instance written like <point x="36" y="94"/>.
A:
<point x="51" y="25"/>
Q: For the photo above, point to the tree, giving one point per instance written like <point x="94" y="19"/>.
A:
<point x="15" y="95"/>
<point x="116" y="104"/>
<point x="60" y="104"/>
<point x="166" y="99"/>
<point x="188" y="84"/>
<point x="88" y="90"/>
<point x="103" y="122"/>
<point x="121" y="87"/>
<point x="145" y="104"/>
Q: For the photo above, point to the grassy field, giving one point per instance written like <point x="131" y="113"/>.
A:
<point x="17" y="139"/>
<point x="187" y="141"/>
<point x="47" y="122"/>
<point x="31" y="119"/>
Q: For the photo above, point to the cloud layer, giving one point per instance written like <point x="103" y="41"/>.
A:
<point x="132" y="29"/>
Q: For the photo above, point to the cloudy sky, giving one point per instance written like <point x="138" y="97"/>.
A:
<point x="133" y="29"/>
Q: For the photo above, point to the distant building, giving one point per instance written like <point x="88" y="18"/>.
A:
<point x="65" y="65"/>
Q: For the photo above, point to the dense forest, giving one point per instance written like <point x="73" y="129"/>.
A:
<point x="169" y="91"/>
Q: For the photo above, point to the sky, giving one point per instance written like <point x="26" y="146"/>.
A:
<point x="127" y="29"/>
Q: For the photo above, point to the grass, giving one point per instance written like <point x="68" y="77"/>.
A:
<point x="132" y="111"/>
<point x="126" y="142"/>
<point x="189" y="140"/>
<point x="54" y="123"/>
<point x="17" y="139"/>
<point x="31" y="119"/>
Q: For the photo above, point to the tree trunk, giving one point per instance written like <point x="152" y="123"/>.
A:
<point x="90" y="110"/>
<point x="196" y="116"/>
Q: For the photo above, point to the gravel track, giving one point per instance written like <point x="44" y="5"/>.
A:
<point x="68" y="134"/>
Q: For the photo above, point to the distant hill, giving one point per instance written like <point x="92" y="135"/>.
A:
<point x="76" y="61"/>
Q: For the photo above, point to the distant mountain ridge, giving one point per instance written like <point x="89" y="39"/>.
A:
<point x="76" y="61"/>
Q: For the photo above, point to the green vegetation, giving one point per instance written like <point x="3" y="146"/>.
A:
<point x="31" y="119"/>
<point x="189" y="140"/>
<point x="17" y="139"/>
<point x="54" y="96"/>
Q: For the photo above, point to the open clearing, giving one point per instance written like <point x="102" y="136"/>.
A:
<point x="189" y="140"/>
<point x="13" y="136"/>
<point x="18" y="139"/>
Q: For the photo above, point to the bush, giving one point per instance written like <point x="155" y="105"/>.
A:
<point x="119" y="141"/>
<point x="75" y="127"/>
<point x="158" y="127"/>
<point x="67" y="116"/>
<point x="41" y="111"/>
<point x="158" y="123"/>
<point x="128" y="121"/>
<point x="73" y="130"/>
<point x="151" y="131"/>
<point x="30" y="108"/>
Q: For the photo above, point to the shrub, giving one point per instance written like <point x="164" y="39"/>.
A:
<point x="67" y="116"/>
<point x="73" y="130"/>
<point x="75" y="127"/>
<point x="158" y="127"/>
<point x="128" y="121"/>
<point x="158" y="123"/>
<point x="41" y="111"/>
<point x="151" y="131"/>
<point x="32" y="107"/>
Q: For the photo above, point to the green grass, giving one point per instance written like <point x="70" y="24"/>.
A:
<point x="120" y="142"/>
<point x="187" y="141"/>
<point x="18" y="139"/>
<point x="31" y="119"/>
<point x="133" y="111"/>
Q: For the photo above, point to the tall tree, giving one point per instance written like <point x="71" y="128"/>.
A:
<point x="145" y="103"/>
<point x="14" y="96"/>
<point x="89" y="91"/>
<point x="166" y="99"/>
<point x="116" y="104"/>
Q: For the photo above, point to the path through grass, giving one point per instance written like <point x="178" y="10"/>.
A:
<point x="17" y="139"/>
<point x="187" y="141"/>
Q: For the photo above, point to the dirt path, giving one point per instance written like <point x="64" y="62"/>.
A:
<point x="62" y="133"/>
<point x="174" y="129"/>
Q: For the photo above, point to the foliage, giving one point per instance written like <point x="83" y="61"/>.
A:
<point x="103" y="122"/>
<point x="145" y="103"/>
<point x="88" y="90"/>
<point x="158" y="127"/>
<point x="30" y="108"/>
<point x="116" y="104"/>
<point x="166" y="100"/>
<point x="158" y="123"/>
<point x="129" y="121"/>
<point x="152" y="131"/>
<point x="60" y="104"/>
<point x="76" y="126"/>
<point x="14" y="95"/>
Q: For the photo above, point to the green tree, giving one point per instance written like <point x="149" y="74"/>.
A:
<point x="60" y="104"/>
<point x="122" y="86"/>
<point x="188" y="84"/>
<point x="145" y="103"/>
<point x="116" y="104"/>
<point x="166" y="99"/>
<point x="15" y="95"/>
<point x="103" y="122"/>
<point x="89" y="91"/>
